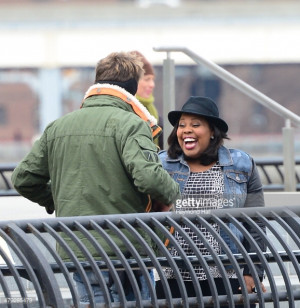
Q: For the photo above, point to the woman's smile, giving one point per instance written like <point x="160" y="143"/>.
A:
<point x="190" y="143"/>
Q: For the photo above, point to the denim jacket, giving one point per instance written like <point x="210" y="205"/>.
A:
<point x="242" y="188"/>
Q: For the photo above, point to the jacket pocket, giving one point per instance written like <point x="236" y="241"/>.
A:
<point x="236" y="187"/>
<point x="148" y="149"/>
<point x="237" y="177"/>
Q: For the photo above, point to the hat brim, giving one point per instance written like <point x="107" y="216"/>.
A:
<point x="174" y="117"/>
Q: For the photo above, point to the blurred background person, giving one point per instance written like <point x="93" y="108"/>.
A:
<point x="145" y="90"/>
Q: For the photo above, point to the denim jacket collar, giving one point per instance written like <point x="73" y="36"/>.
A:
<point x="225" y="158"/>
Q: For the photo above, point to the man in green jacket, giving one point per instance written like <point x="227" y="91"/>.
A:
<point x="100" y="159"/>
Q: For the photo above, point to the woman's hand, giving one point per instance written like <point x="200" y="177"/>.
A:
<point x="250" y="285"/>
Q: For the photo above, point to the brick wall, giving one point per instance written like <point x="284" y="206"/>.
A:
<point x="19" y="105"/>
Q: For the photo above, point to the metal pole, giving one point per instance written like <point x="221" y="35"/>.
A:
<point x="168" y="95"/>
<point x="50" y="96"/>
<point x="289" y="157"/>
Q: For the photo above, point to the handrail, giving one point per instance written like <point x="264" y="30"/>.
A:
<point x="236" y="82"/>
<point x="272" y="173"/>
<point x="271" y="169"/>
<point x="6" y="187"/>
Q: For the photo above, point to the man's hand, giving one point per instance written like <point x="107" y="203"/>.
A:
<point x="250" y="285"/>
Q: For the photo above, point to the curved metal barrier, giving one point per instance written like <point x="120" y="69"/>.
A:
<point x="272" y="173"/>
<point x="6" y="187"/>
<point x="33" y="273"/>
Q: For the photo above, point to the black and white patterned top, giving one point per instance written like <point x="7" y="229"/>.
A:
<point x="202" y="192"/>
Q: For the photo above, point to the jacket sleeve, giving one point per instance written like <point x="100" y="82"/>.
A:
<point x="31" y="177"/>
<point x="255" y="198"/>
<point x="142" y="163"/>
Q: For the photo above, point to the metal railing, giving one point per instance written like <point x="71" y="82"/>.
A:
<point x="34" y="257"/>
<point x="271" y="171"/>
<point x="290" y="117"/>
<point x="6" y="187"/>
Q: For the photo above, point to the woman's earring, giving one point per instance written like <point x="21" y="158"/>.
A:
<point x="212" y="137"/>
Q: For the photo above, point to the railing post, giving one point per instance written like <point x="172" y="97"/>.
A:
<point x="50" y="96"/>
<point x="168" y="95"/>
<point x="289" y="157"/>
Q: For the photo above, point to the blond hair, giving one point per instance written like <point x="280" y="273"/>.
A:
<point x="119" y="66"/>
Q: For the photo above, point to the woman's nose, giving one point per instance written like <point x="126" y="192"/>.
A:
<point x="187" y="129"/>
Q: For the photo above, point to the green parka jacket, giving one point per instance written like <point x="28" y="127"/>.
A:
<point x="100" y="159"/>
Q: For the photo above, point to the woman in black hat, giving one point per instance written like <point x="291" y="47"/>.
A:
<point x="210" y="177"/>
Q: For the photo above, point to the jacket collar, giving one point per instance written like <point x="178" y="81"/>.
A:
<point x="224" y="156"/>
<point x="179" y="159"/>
<point x="124" y="95"/>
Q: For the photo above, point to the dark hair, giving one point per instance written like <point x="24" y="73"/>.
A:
<point x="209" y="155"/>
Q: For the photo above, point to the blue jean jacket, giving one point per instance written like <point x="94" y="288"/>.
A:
<point x="242" y="187"/>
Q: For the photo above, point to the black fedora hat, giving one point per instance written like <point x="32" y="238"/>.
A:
<point x="202" y="106"/>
